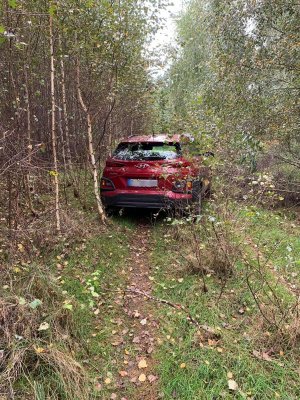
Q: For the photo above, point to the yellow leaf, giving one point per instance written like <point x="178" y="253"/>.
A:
<point x="182" y="365"/>
<point x="229" y="375"/>
<point x="142" y="364"/>
<point x="21" y="247"/>
<point x="142" y="378"/>
<point x="107" y="381"/>
<point x="39" y="350"/>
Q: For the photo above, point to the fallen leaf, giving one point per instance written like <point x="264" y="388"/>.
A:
<point x="180" y="280"/>
<point x="142" y="378"/>
<point x="143" y="321"/>
<point x="68" y="306"/>
<point x="35" y="303"/>
<point x="182" y="365"/>
<point x="98" y="386"/>
<point x="261" y="355"/>
<point x="232" y="385"/>
<point x="229" y="375"/>
<point x="107" y="381"/>
<point x="21" y="247"/>
<point x="152" y="378"/>
<point x="117" y="343"/>
<point x="113" y="396"/>
<point x="211" y="342"/>
<point x="39" y="350"/>
<point x="22" y="301"/>
<point x="142" y="364"/>
<point x="123" y="373"/>
<point x="44" y="326"/>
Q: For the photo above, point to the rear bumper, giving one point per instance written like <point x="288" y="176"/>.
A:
<point x="152" y="199"/>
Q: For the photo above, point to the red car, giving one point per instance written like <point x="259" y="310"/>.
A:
<point x="151" y="172"/>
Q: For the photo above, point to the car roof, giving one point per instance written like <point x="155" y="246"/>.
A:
<point x="151" y="138"/>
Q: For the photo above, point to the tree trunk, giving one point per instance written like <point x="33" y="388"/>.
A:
<point x="29" y="184"/>
<point x="53" y="130"/>
<point x="93" y="163"/>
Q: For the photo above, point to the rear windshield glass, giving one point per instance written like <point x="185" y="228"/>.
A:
<point x="147" y="151"/>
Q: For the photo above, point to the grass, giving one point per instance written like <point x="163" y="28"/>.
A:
<point x="208" y="361"/>
<point x="71" y="283"/>
<point x="276" y="234"/>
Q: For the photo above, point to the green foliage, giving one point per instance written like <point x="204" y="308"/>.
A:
<point x="234" y="75"/>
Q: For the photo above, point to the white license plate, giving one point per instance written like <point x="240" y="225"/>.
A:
<point x="142" y="182"/>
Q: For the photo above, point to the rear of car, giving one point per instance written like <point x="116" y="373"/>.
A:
<point x="149" y="172"/>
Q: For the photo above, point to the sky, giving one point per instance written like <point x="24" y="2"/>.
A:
<point x="166" y="35"/>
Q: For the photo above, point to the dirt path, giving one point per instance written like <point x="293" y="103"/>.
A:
<point x="143" y="325"/>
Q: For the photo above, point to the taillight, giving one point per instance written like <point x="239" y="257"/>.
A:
<point x="182" y="186"/>
<point x="107" y="184"/>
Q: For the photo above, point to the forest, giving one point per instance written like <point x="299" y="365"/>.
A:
<point x="140" y="303"/>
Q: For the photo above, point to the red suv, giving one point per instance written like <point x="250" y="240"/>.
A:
<point x="151" y="172"/>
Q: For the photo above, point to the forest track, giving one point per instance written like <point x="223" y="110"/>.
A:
<point x="141" y="316"/>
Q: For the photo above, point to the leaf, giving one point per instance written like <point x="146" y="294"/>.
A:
<point x="22" y="301"/>
<point x="152" y="378"/>
<point x="44" y="326"/>
<point x="142" y="364"/>
<point x="98" y="386"/>
<point x="142" y="378"/>
<point x="107" y="381"/>
<point x="232" y="385"/>
<point x="143" y="321"/>
<point x="39" y="350"/>
<point x="123" y="373"/>
<point x="182" y="365"/>
<point x="261" y="355"/>
<point x="68" y="306"/>
<point x="229" y="375"/>
<point x="21" y="247"/>
<point x="35" y="303"/>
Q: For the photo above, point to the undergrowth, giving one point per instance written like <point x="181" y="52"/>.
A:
<point x="54" y="325"/>
<point x="254" y="314"/>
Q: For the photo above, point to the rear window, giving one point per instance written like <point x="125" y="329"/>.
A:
<point x="147" y="151"/>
